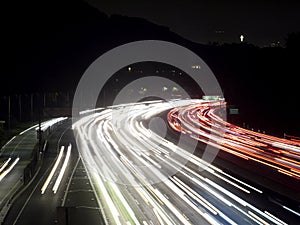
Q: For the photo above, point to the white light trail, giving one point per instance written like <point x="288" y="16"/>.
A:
<point x="62" y="171"/>
<point x="292" y="211"/>
<point x="24" y="131"/>
<point x="275" y="218"/>
<point x="4" y="165"/>
<point x="119" y="148"/>
<point x="9" y="168"/>
<point x="108" y="200"/>
<point x="44" y="187"/>
<point x="125" y="203"/>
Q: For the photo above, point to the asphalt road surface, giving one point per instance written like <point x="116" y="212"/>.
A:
<point x="122" y="166"/>
<point x="145" y="179"/>
<point x="32" y="207"/>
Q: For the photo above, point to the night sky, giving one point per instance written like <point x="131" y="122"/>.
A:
<point x="261" y="22"/>
<point x="52" y="42"/>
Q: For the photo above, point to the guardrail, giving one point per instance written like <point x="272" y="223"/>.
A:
<point x="22" y="183"/>
<point x="48" y="126"/>
<point x="7" y="202"/>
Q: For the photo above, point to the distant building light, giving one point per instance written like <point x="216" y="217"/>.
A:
<point x="142" y="90"/>
<point x="164" y="89"/>
<point x="275" y="44"/>
<point x="129" y="68"/>
<point x="213" y="98"/>
<point x="233" y="111"/>
<point x="242" y="38"/>
<point x="196" y="67"/>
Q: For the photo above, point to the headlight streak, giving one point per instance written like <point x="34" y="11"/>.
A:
<point x="107" y="198"/>
<point x="201" y="163"/>
<point x="7" y="143"/>
<point x="5" y="172"/>
<point x="24" y="131"/>
<point x="45" y="185"/>
<point x="275" y="218"/>
<point x="121" y="149"/>
<point x="49" y="123"/>
<point x="4" y="165"/>
<point x="63" y="169"/>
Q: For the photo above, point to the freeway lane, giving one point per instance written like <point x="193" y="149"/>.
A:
<point x="18" y="159"/>
<point x="20" y="146"/>
<point x="269" y="154"/>
<point x="74" y="194"/>
<point x="127" y="174"/>
<point x="141" y="178"/>
<point x="26" y="210"/>
<point x="203" y="123"/>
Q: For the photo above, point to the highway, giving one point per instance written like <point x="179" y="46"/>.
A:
<point x="18" y="158"/>
<point x="139" y="163"/>
<point x="203" y="123"/>
<point x="34" y="206"/>
<point x="27" y="202"/>
<point x="11" y="170"/>
<point x="140" y="177"/>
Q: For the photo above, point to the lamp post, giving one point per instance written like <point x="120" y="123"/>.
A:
<point x="40" y="121"/>
<point x="8" y="114"/>
<point x="31" y="107"/>
<point x="20" y="108"/>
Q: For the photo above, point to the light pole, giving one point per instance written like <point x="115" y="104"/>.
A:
<point x="31" y="106"/>
<point x="8" y="113"/>
<point x="20" y="108"/>
<point x="40" y="121"/>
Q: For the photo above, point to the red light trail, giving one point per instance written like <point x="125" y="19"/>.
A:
<point x="204" y="123"/>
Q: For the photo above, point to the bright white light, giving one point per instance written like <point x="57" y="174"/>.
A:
<point x="4" y="165"/>
<point x="242" y="38"/>
<point x="9" y="168"/>
<point x="125" y="203"/>
<point x="108" y="200"/>
<point x="62" y="171"/>
<point x="43" y="189"/>
<point x="24" y="131"/>
<point x="50" y="123"/>
<point x="292" y="211"/>
<point x="9" y="141"/>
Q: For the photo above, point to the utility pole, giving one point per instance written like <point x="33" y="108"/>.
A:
<point x="8" y="113"/>
<point x="39" y="105"/>
<point x="31" y="106"/>
<point x="40" y="121"/>
<point x="44" y="100"/>
<point x="20" y="108"/>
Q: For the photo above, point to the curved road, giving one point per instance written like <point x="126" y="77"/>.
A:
<point x="142" y="178"/>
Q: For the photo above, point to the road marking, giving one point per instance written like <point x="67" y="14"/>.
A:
<point x="25" y="204"/>
<point x="38" y="183"/>
<point x="69" y="183"/>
